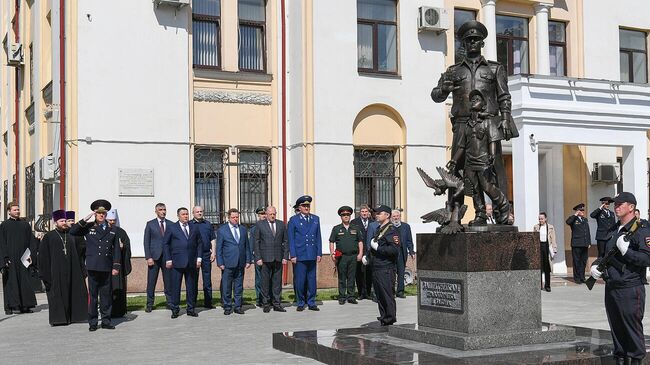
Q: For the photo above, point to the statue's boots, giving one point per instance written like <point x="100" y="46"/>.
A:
<point x="480" y="220"/>
<point x="502" y="210"/>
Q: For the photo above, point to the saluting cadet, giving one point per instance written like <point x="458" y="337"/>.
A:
<point x="384" y="252"/>
<point x="305" y="249"/>
<point x="346" y="249"/>
<point x="580" y="241"/>
<point x="103" y="257"/>
<point x="624" y="290"/>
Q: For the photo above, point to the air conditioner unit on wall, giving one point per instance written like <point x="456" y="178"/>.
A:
<point x="603" y="172"/>
<point x="433" y="19"/>
<point x="173" y="3"/>
<point x="47" y="169"/>
<point x="15" y="55"/>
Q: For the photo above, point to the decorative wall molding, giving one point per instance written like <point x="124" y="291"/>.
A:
<point x="220" y="96"/>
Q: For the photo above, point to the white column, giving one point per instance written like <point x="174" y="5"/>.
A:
<point x="541" y="19"/>
<point x="490" y="21"/>
<point x="635" y="177"/>
<point x="525" y="172"/>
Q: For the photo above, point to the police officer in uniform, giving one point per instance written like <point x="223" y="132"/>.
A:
<point x="580" y="241"/>
<point x="346" y="249"/>
<point x="102" y="260"/>
<point x="605" y="220"/>
<point x="305" y="249"/>
<point x="384" y="252"/>
<point x="624" y="290"/>
<point x="490" y="79"/>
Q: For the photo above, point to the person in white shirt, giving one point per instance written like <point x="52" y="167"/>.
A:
<point x="548" y="248"/>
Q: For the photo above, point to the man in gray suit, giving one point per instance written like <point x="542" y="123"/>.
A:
<point x="271" y="252"/>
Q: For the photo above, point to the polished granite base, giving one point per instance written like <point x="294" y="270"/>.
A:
<point x="373" y="345"/>
<point x="465" y="341"/>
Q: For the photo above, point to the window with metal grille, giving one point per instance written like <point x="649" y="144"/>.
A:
<point x="206" y="33"/>
<point x="512" y="44"/>
<point x="633" y="56"/>
<point x="376" y="177"/>
<point x="209" y="182"/>
<point x="30" y="192"/>
<point x="461" y="16"/>
<point x="377" y="36"/>
<point x="252" y="33"/>
<point x="254" y="183"/>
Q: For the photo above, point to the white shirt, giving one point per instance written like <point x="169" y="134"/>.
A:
<point x="234" y="229"/>
<point x="543" y="233"/>
<point x="272" y="226"/>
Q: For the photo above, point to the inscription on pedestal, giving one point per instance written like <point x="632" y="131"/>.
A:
<point x="441" y="295"/>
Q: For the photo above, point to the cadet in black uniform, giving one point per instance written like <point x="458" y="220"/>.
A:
<point x="102" y="260"/>
<point x="384" y="251"/>
<point x="605" y="220"/>
<point x="346" y="249"/>
<point x="580" y="241"/>
<point x="624" y="290"/>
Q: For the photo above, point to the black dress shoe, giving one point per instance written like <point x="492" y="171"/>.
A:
<point x="192" y="314"/>
<point x="174" y="315"/>
<point x="314" y="308"/>
<point x="259" y="304"/>
<point x="300" y="309"/>
<point x="9" y="312"/>
<point x="92" y="328"/>
<point x="239" y="311"/>
<point x="266" y="309"/>
<point x="227" y="312"/>
<point x="547" y="289"/>
<point x="401" y="295"/>
<point x="341" y="301"/>
<point x="107" y="326"/>
<point x="148" y="309"/>
<point x="278" y="308"/>
<point x="208" y="306"/>
<point x="352" y="301"/>
<point x="26" y="310"/>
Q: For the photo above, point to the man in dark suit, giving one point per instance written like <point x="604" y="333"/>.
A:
<point x="405" y="248"/>
<point x="261" y="216"/>
<point x="605" y="219"/>
<point x="154" y="232"/>
<point x="103" y="258"/>
<point x="183" y="256"/>
<point x="363" y="283"/>
<point x="271" y="250"/>
<point x="580" y="241"/>
<point x="209" y="241"/>
<point x="234" y="255"/>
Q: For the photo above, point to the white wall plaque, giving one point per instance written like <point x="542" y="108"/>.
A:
<point x="136" y="182"/>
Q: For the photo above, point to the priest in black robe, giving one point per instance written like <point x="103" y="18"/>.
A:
<point x="15" y="238"/>
<point x="61" y="267"/>
<point x="119" y="280"/>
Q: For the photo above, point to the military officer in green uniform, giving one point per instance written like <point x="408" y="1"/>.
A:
<point x="346" y="249"/>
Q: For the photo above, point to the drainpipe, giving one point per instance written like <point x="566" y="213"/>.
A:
<point x="62" y="162"/>
<point x="284" y="126"/>
<point x="16" y="126"/>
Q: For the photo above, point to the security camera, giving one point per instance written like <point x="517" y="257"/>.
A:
<point x="532" y="136"/>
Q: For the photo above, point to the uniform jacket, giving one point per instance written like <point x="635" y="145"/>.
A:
<point x="153" y="238"/>
<point x="183" y="252"/>
<point x="636" y="259"/>
<point x="552" y="243"/>
<point x="102" y="248"/>
<point x="269" y="247"/>
<point x="605" y="219"/>
<point x="387" y="252"/>
<point x="580" y="234"/>
<point x="303" y="233"/>
<point x="230" y="253"/>
<point x="372" y="228"/>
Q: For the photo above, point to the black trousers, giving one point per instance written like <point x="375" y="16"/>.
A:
<point x="152" y="279"/>
<point x="580" y="256"/>
<point x="360" y="278"/>
<point x="369" y="281"/>
<point x="625" y="309"/>
<point x="271" y="283"/>
<point x="206" y="270"/>
<point x="401" y="268"/>
<point x="383" y="280"/>
<point x="99" y="287"/>
<point x="545" y="266"/>
<point x="601" y="247"/>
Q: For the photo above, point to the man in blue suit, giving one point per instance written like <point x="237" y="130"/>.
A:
<point x="405" y="249"/>
<point x="234" y="255"/>
<point x="372" y="229"/>
<point x="305" y="248"/>
<point x="209" y="252"/>
<point x="154" y="232"/>
<point x="183" y="255"/>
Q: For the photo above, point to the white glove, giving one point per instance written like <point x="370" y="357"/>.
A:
<point x="622" y="244"/>
<point x="595" y="273"/>
<point x="364" y="260"/>
<point x="374" y="244"/>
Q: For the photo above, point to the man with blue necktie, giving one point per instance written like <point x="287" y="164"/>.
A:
<point x="183" y="256"/>
<point x="234" y="255"/>
<point x="305" y="248"/>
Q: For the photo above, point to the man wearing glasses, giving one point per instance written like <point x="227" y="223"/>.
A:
<point x="580" y="241"/>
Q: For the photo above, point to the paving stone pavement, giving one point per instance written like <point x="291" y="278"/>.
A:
<point x="154" y="338"/>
